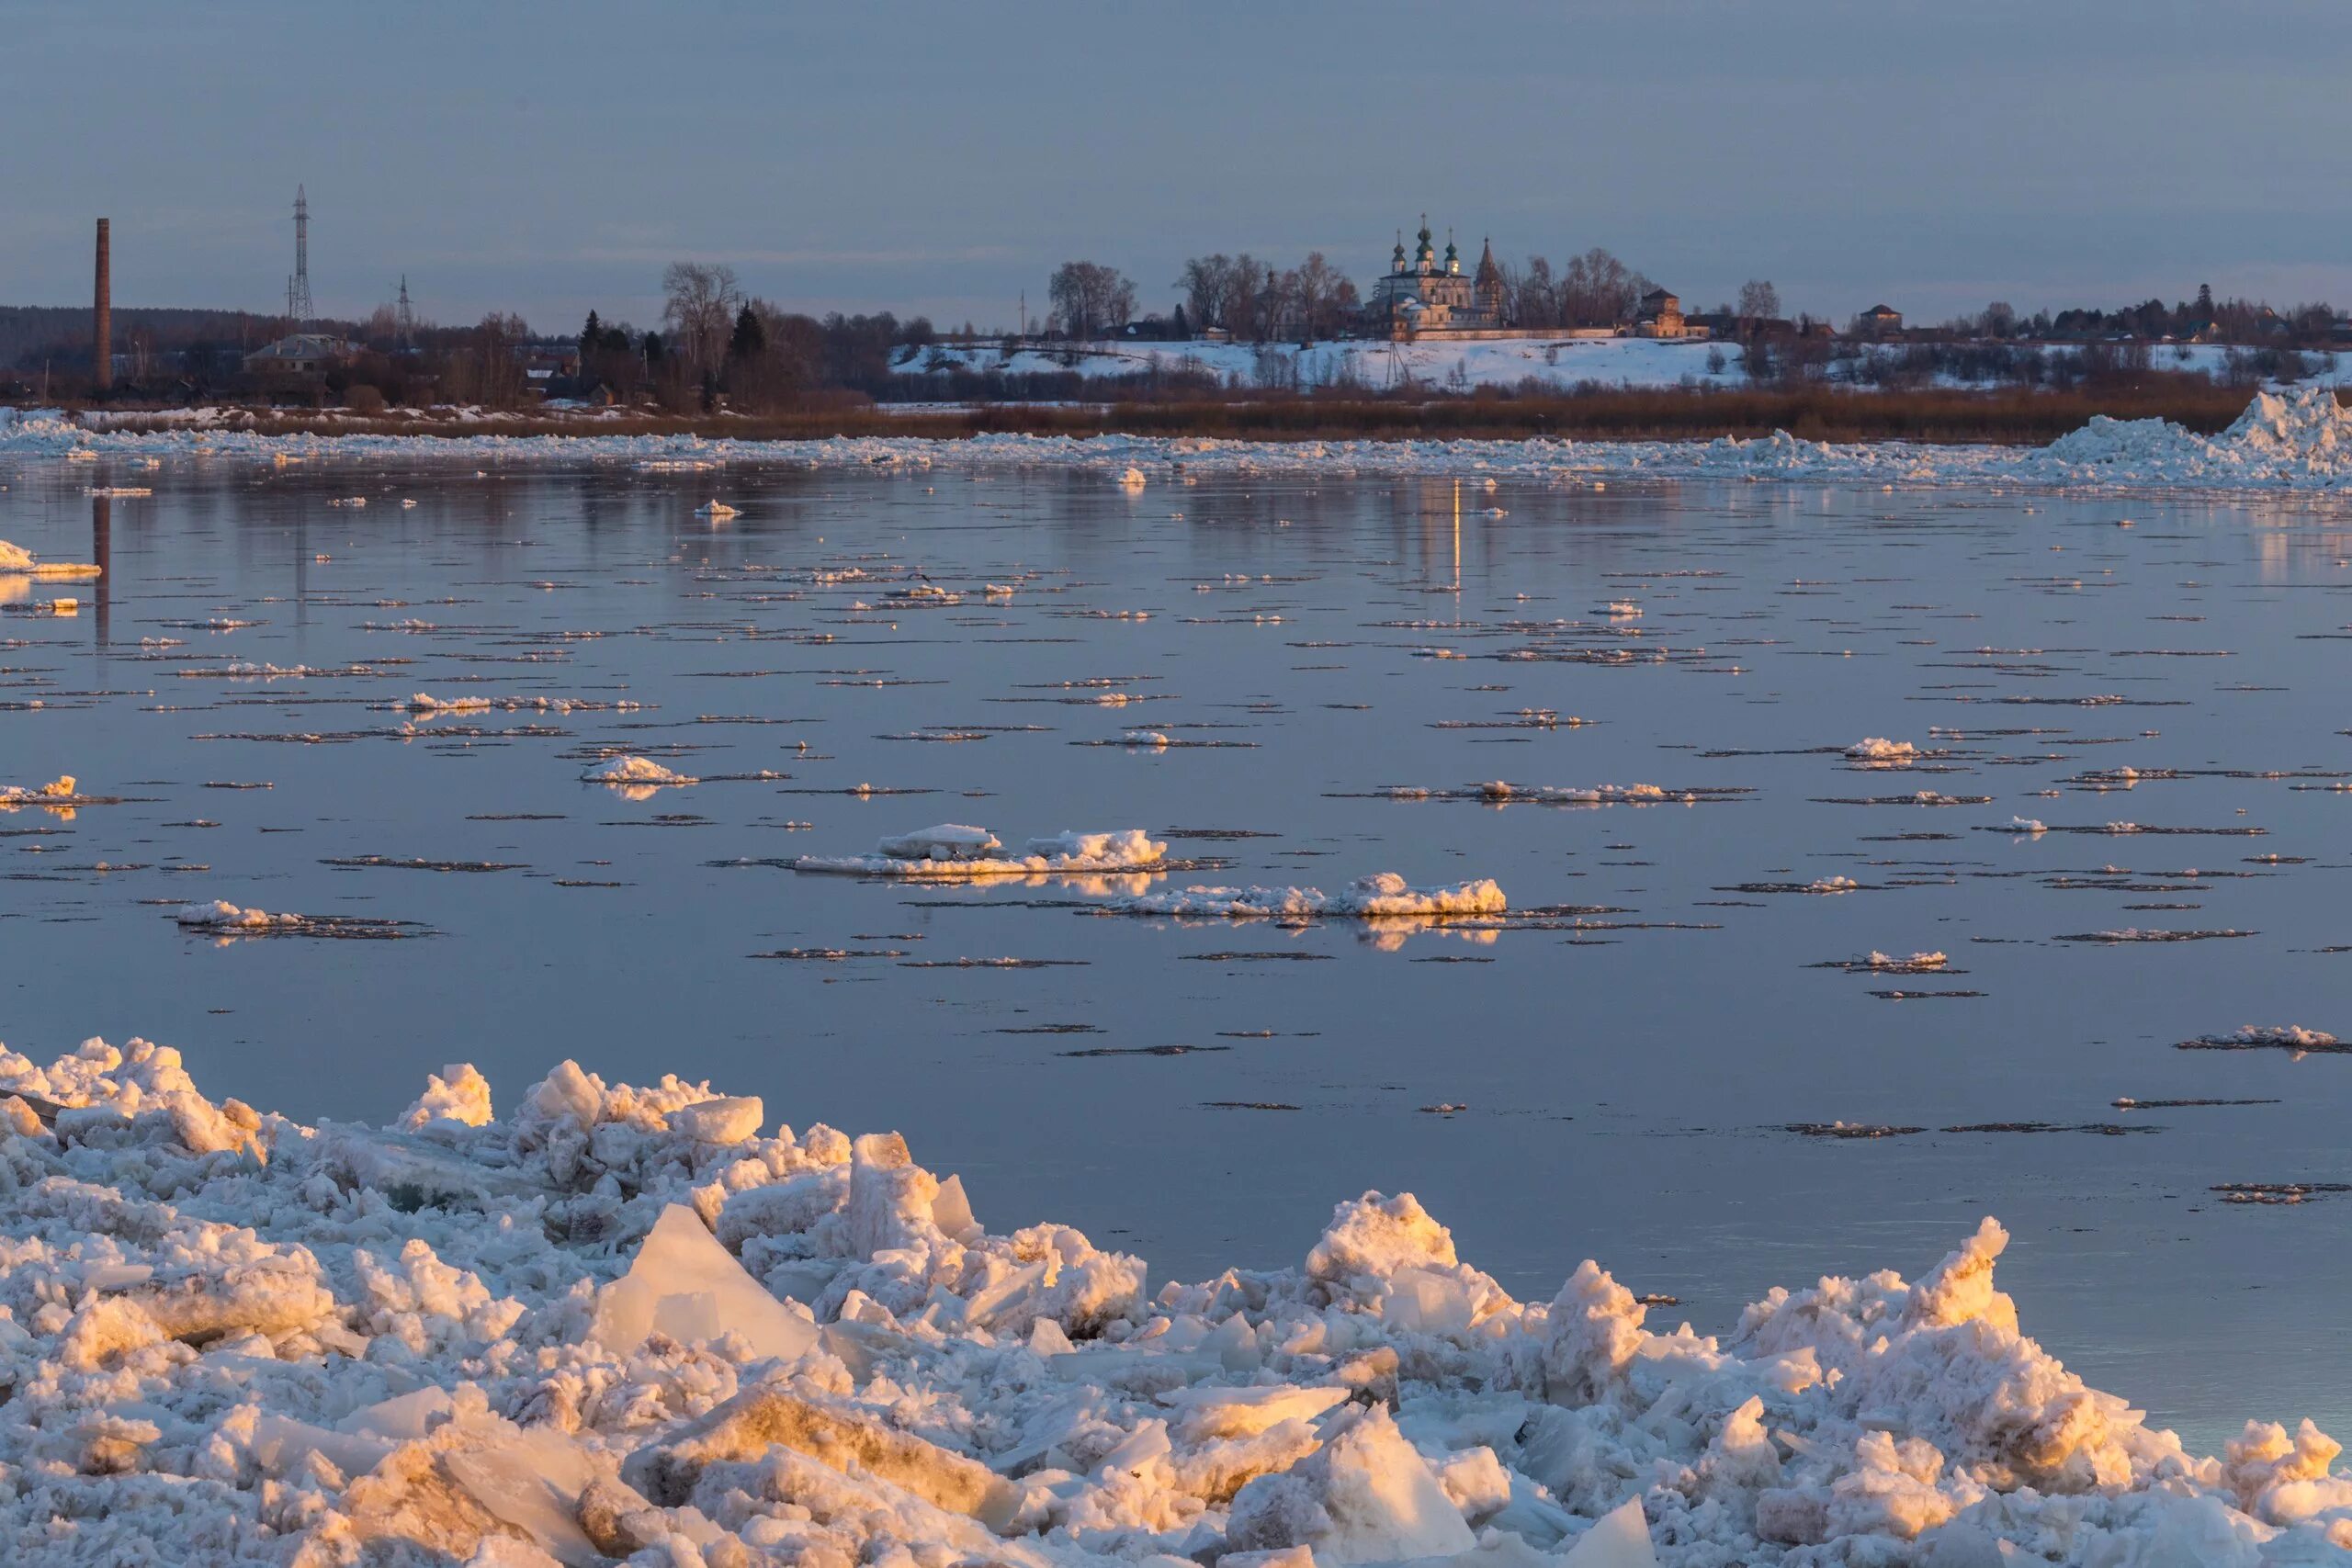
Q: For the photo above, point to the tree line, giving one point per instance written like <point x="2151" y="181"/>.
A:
<point x="715" y="343"/>
<point x="1258" y="301"/>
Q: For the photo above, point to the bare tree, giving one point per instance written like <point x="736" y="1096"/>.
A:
<point x="1090" y="300"/>
<point x="487" y="367"/>
<point x="1534" y="299"/>
<point x="1759" y="301"/>
<point x="1597" y="290"/>
<point x="1321" y="297"/>
<point x="700" y="302"/>
<point x="1254" y="304"/>
<point x="1207" y="283"/>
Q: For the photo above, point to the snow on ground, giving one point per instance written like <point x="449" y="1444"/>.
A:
<point x="1563" y="362"/>
<point x="2297" y="439"/>
<point x="628" y="1322"/>
<point x="953" y="851"/>
<point x="1500" y="362"/>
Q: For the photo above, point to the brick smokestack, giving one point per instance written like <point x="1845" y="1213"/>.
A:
<point x="102" y="310"/>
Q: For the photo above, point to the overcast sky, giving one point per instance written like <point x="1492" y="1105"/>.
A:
<point x="939" y="158"/>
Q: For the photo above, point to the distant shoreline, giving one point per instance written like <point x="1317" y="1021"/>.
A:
<point x="1932" y="416"/>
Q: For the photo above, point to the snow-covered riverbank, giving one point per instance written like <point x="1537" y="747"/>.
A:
<point x="2297" y="440"/>
<point x="636" y="1323"/>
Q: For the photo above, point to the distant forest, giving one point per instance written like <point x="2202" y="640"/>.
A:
<point x="61" y="333"/>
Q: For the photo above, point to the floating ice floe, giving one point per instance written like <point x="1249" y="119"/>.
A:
<point x="626" y="1323"/>
<point x="1877" y="749"/>
<point x="16" y="561"/>
<point x="952" y="850"/>
<point x="222" y="914"/>
<point x="422" y="702"/>
<point x="1381" y="896"/>
<point x="1877" y="963"/>
<point x="61" y="788"/>
<point x="638" y="772"/>
<point x="717" y="511"/>
<point x="2290" y="1037"/>
<point x="229" y="921"/>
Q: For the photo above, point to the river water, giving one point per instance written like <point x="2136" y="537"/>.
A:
<point x="1624" y="1071"/>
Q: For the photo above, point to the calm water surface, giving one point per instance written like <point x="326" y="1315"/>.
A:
<point x="1626" y="1082"/>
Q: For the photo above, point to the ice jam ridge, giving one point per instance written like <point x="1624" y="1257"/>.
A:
<point x="637" y="1323"/>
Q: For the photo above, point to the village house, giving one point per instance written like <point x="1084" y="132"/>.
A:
<point x="299" y="355"/>
<point x="1660" y="315"/>
<point x="1881" y="321"/>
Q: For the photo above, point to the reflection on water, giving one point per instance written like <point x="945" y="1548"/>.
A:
<point x="1617" y="1071"/>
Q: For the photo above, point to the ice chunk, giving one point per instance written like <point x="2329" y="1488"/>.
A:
<point x="1621" y="1539"/>
<point x="1212" y="1413"/>
<point x="401" y="1418"/>
<point x="952" y="1212"/>
<point x="685" y="1285"/>
<point x="849" y="1440"/>
<point x="531" y="1479"/>
<point x="948" y="840"/>
<point x="638" y="772"/>
<point x="1127" y="846"/>
<point x="1372" y="1236"/>
<point x="280" y="1445"/>
<point x="1422" y="1302"/>
<point x="1366" y="1496"/>
<point x="725" y="1120"/>
<point x="456" y="1094"/>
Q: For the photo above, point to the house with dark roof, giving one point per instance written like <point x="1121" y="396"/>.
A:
<point x="1660" y="315"/>
<point x="299" y="355"/>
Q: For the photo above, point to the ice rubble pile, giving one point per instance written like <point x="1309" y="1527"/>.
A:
<point x="627" y="1322"/>
<point x="1383" y="894"/>
<point x="2295" y="439"/>
<point x="2298" y="438"/>
<point x="954" y="851"/>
